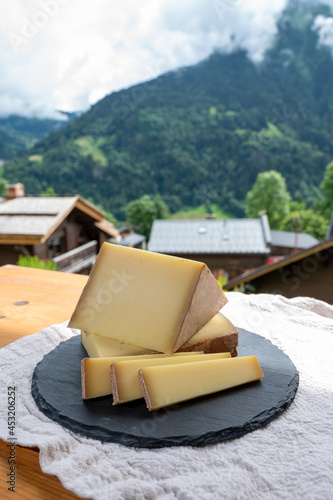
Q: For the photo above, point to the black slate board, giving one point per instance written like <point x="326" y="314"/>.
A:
<point x="56" y="388"/>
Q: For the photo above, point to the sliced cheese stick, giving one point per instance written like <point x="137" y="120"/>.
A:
<point x="95" y="372"/>
<point x="124" y="374"/>
<point x="170" y="384"/>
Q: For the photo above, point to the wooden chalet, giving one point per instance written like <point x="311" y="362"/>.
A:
<point x="306" y="273"/>
<point x="66" y="229"/>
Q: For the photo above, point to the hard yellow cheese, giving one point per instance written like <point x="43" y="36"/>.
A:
<point x="147" y="299"/>
<point x="102" y="347"/>
<point x="124" y="374"/>
<point x="170" y="384"/>
<point x="218" y="335"/>
<point x="95" y="372"/>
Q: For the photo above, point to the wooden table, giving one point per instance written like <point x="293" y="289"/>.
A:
<point x="30" y="300"/>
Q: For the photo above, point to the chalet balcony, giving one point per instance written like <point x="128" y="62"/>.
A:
<point x="79" y="260"/>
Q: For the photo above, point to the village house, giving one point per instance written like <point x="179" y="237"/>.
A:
<point x="228" y="247"/>
<point x="129" y="238"/>
<point x="66" y="229"/>
<point x="307" y="273"/>
<point x="287" y="242"/>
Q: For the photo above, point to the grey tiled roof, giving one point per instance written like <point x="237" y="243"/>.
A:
<point x="132" y="240"/>
<point x="32" y="215"/>
<point x="241" y="236"/>
<point x="287" y="239"/>
<point x="36" y="225"/>
<point x="48" y="205"/>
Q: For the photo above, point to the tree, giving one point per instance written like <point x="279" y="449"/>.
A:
<point x="162" y="210"/>
<point x="142" y="212"/>
<point x="305" y="221"/>
<point x="3" y="184"/>
<point x="325" y="205"/>
<point x="49" y="192"/>
<point x="269" y="193"/>
<point x="111" y="218"/>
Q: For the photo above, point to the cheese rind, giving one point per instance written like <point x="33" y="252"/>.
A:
<point x="124" y="374"/>
<point x="170" y="384"/>
<point x="146" y="299"/>
<point x="218" y="335"/>
<point x="95" y="372"/>
<point x="102" y="347"/>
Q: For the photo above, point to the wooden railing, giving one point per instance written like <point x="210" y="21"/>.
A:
<point x="78" y="259"/>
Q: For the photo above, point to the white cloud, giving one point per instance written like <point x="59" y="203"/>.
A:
<point x="324" y="26"/>
<point x="67" y="54"/>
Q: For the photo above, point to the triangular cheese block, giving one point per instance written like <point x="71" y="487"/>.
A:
<point x="147" y="299"/>
<point x="218" y="335"/>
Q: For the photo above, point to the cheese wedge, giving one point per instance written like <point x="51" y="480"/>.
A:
<point x="95" y="372"/>
<point x="170" y="384"/>
<point x="124" y="374"/>
<point x="147" y="299"/>
<point x="218" y="335"/>
<point x="101" y="347"/>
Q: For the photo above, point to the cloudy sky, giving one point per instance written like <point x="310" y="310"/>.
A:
<point x="67" y="54"/>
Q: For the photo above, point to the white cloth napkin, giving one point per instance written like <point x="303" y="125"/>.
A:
<point x="291" y="458"/>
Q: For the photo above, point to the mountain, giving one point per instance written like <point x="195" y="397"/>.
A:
<point x="202" y="133"/>
<point x="18" y="133"/>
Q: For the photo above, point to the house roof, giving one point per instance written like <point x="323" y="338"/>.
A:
<point x="39" y="205"/>
<point x="32" y="219"/>
<point x="124" y="229"/>
<point x="228" y="236"/>
<point x="268" y="268"/>
<point x="288" y="239"/>
<point x="34" y="225"/>
<point x="132" y="240"/>
<point x="107" y="228"/>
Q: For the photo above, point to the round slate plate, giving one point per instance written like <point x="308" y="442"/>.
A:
<point x="56" y="388"/>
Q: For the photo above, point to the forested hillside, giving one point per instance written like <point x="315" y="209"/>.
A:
<point x="200" y="134"/>
<point x="18" y="133"/>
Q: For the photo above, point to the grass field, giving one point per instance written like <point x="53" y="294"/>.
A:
<point x="201" y="213"/>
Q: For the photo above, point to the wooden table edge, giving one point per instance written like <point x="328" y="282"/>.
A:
<point x="26" y="286"/>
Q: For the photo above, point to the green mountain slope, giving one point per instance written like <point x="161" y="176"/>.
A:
<point x="202" y="133"/>
<point x="18" y="133"/>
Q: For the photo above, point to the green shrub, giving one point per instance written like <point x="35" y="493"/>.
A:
<point x="33" y="261"/>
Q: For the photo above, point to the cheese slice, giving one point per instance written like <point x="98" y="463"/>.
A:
<point x="124" y="374"/>
<point x="218" y="335"/>
<point x="95" y="372"/>
<point x="101" y="347"/>
<point x="170" y="384"/>
<point x="147" y="299"/>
